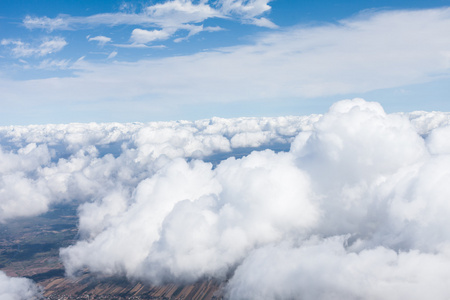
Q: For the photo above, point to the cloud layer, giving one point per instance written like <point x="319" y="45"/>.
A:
<point x="46" y="164"/>
<point x="357" y="208"/>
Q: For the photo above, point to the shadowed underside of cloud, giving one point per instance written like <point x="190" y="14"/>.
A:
<point x="356" y="209"/>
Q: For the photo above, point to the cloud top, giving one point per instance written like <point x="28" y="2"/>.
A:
<point x="359" y="191"/>
<point x="357" y="208"/>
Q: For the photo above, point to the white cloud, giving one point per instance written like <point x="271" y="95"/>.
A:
<point x="18" y="288"/>
<point x="54" y="163"/>
<point x="54" y="64"/>
<point x="112" y="55"/>
<point x="177" y="12"/>
<point x="353" y="56"/>
<point x="52" y="45"/>
<point x="167" y="14"/>
<point x="102" y="40"/>
<point x="263" y="22"/>
<point x="357" y="208"/>
<point x="141" y="36"/>
<point x="325" y="269"/>
<point x="169" y="17"/>
<point x="50" y="24"/>
<point x="47" y="46"/>
<point x="248" y="10"/>
<point x="359" y="195"/>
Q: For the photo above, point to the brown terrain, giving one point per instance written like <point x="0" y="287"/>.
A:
<point x="29" y="247"/>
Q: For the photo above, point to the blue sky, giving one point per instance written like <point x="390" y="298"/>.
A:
<point x="104" y="61"/>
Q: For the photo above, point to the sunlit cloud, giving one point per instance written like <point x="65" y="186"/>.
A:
<point x="102" y="40"/>
<point x="353" y="56"/>
<point x="46" y="47"/>
<point x="168" y="17"/>
<point x="355" y="189"/>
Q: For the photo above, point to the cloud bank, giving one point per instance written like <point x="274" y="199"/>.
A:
<point x="357" y="208"/>
<point x="47" y="164"/>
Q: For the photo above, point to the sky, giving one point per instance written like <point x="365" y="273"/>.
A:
<point x="126" y="61"/>
<point x="360" y="188"/>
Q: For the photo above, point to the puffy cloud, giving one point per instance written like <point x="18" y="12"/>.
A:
<point x="48" y="46"/>
<point x="43" y="165"/>
<point x="141" y="36"/>
<point x="356" y="209"/>
<point x="425" y="122"/>
<point x="208" y="223"/>
<point x="18" y="288"/>
<point x="325" y="269"/>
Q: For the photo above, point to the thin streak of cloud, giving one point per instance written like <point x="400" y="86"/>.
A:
<point x="169" y="17"/>
<point x="112" y="55"/>
<point x="102" y="40"/>
<point x="353" y="56"/>
<point x="46" y="47"/>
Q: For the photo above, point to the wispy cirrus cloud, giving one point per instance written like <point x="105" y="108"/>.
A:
<point x="356" y="55"/>
<point x="46" y="47"/>
<point x="54" y="64"/>
<point x="167" y="18"/>
<point x="102" y="40"/>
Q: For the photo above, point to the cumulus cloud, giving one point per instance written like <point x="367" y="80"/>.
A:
<point x="47" y="46"/>
<point x="47" y="164"/>
<point x="141" y="36"/>
<point x="356" y="209"/>
<point x="325" y="269"/>
<point x="18" y="288"/>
